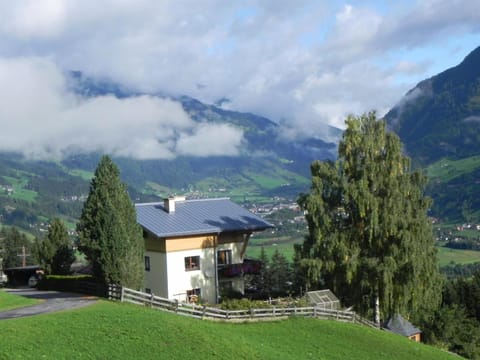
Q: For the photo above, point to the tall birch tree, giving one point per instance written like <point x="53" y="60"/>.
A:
<point x="370" y="239"/>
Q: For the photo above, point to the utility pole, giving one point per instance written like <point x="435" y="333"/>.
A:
<point x="23" y="255"/>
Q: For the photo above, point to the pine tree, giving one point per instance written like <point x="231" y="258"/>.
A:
<point x="280" y="274"/>
<point x="108" y="231"/>
<point x="262" y="281"/>
<point x="297" y="272"/>
<point x="370" y="239"/>
<point x="54" y="253"/>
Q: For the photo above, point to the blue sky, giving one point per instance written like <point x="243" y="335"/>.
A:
<point x="304" y="64"/>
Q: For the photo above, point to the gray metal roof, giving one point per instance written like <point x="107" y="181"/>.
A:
<point x="192" y="217"/>
<point x="399" y="325"/>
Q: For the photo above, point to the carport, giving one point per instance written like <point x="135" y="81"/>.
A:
<point x="18" y="276"/>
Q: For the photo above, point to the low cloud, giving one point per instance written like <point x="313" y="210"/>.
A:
<point x="42" y="119"/>
<point x="211" y="139"/>
<point x="472" y="118"/>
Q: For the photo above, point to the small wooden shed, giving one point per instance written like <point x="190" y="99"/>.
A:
<point x="399" y="325"/>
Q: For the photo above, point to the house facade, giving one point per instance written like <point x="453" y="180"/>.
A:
<point x="195" y="248"/>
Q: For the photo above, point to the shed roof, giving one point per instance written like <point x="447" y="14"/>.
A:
<point x="399" y="325"/>
<point x="191" y="217"/>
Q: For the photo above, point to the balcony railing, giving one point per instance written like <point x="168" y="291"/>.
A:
<point x="233" y="270"/>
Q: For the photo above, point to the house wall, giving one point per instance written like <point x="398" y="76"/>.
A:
<point x="169" y="278"/>
<point x="156" y="279"/>
<point x="181" y="280"/>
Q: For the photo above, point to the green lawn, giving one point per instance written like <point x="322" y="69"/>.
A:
<point x="9" y="301"/>
<point x="109" y="330"/>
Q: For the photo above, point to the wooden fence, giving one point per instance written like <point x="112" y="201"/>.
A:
<point x="205" y="312"/>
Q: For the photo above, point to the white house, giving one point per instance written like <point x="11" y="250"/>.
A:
<point x="196" y="248"/>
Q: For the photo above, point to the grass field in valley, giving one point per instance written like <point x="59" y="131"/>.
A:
<point x="9" y="301"/>
<point x="108" y="330"/>
<point x="285" y="246"/>
<point x="458" y="256"/>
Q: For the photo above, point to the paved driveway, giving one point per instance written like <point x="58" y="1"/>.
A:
<point x="53" y="301"/>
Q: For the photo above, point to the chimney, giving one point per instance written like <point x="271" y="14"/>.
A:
<point x="169" y="203"/>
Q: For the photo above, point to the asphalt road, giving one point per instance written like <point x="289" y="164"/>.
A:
<point x="52" y="301"/>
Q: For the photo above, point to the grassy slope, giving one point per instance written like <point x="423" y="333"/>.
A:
<point x="121" y="331"/>
<point x="9" y="301"/>
<point x="19" y="185"/>
<point x="445" y="170"/>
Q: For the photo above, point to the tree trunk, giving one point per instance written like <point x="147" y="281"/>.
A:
<point x="377" y="308"/>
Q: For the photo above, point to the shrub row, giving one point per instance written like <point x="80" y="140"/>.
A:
<point x="83" y="284"/>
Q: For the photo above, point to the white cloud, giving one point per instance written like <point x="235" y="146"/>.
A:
<point x="40" y="118"/>
<point x="303" y="64"/>
<point x="211" y="139"/>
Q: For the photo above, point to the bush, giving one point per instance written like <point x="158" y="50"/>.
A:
<point x="83" y="284"/>
<point x="242" y="304"/>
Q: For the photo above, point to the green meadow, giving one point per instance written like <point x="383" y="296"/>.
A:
<point x="445" y="170"/>
<point x="448" y="256"/>
<point x="285" y="244"/>
<point x="108" y="330"/>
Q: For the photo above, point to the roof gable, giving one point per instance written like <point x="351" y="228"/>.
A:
<point x="193" y="217"/>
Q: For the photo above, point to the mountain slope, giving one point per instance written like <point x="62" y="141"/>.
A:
<point x="439" y="123"/>
<point x="268" y="165"/>
<point x="268" y="162"/>
<point x="440" y="117"/>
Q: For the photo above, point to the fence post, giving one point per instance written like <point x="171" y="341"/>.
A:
<point x="252" y="311"/>
<point x="151" y="299"/>
<point x="314" y="311"/>
<point x="176" y="305"/>
<point x="122" y="293"/>
<point x="112" y="291"/>
<point x="204" y="311"/>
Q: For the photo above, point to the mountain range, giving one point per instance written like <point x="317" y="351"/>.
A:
<point x="438" y="121"/>
<point x="268" y="165"/>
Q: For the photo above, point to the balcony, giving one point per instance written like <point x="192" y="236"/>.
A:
<point x="248" y="266"/>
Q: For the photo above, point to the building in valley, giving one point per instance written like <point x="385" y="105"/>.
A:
<point x="196" y="248"/>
